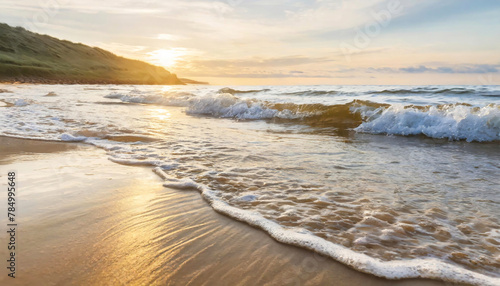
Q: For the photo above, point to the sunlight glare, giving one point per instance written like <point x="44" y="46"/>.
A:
<point x="166" y="58"/>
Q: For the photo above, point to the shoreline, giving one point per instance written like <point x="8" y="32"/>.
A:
<point x="140" y="232"/>
<point x="77" y="82"/>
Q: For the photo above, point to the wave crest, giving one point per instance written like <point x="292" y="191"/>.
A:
<point x="454" y="122"/>
<point x="236" y="91"/>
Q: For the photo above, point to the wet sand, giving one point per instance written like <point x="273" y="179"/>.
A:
<point x="84" y="220"/>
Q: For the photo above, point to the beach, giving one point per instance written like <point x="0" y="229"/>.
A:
<point x="250" y="143"/>
<point x="84" y="220"/>
<point x="189" y="184"/>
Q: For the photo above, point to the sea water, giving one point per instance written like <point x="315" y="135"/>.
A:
<point x="397" y="181"/>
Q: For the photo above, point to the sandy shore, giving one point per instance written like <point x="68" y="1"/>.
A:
<point x="84" y="220"/>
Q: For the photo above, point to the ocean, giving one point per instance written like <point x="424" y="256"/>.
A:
<point x="396" y="181"/>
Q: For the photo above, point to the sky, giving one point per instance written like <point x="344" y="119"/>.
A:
<point x="257" y="42"/>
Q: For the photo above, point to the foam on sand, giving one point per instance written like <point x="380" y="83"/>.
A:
<point x="70" y="138"/>
<point x="21" y="103"/>
<point x="396" y="269"/>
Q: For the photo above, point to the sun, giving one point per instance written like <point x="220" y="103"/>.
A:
<point x="167" y="58"/>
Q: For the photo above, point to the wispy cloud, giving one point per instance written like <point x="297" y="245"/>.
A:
<point x="121" y="49"/>
<point x="288" y="38"/>
<point x="454" y="69"/>
<point x="256" y="67"/>
<point x="169" y="37"/>
<point x="262" y="62"/>
<point x="274" y="74"/>
<point x="463" y="69"/>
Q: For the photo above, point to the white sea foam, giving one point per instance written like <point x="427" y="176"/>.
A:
<point x="395" y="269"/>
<point x="297" y="182"/>
<point x="182" y="184"/>
<point x="71" y="138"/>
<point x="224" y="105"/>
<point x="171" y="99"/>
<point x="454" y="122"/>
<point x="21" y="102"/>
<point x="229" y="106"/>
<point x="248" y="198"/>
<point x="135" y="162"/>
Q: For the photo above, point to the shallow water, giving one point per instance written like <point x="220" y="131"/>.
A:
<point x="87" y="221"/>
<point x="314" y="160"/>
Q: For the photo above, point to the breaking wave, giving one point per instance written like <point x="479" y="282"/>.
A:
<point x="275" y="186"/>
<point x="236" y="91"/>
<point x="453" y="122"/>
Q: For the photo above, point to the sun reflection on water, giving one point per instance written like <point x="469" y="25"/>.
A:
<point x="160" y="114"/>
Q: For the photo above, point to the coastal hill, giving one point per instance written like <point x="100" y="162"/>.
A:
<point x="190" y="81"/>
<point x="28" y="57"/>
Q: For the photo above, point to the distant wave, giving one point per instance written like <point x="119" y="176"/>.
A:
<point x="453" y="122"/>
<point x="236" y="91"/>
<point x="440" y="91"/>
<point x="312" y="92"/>
<point x="424" y="90"/>
<point x="455" y="91"/>
<point x="294" y="93"/>
<point x="493" y="94"/>
<point x="168" y="99"/>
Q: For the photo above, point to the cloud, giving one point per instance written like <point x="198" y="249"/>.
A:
<point x="431" y="13"/>
<point x="255" y="67"/>
<point x="286" y="38"/>
<point x="261" y="62"/>
<point x="169" y="37"/>
<point x="263" y="74"/>
<point x="454" y="69"/>
<point x="476" y="68"/>
<point x="121" y="49"/>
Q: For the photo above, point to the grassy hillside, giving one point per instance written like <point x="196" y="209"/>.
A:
<point x="35" y="58"/>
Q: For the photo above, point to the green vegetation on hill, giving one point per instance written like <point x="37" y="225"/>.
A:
<point x="35" y="58"/>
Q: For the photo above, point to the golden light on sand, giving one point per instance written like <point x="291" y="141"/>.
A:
<point x="166" y="58"/>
